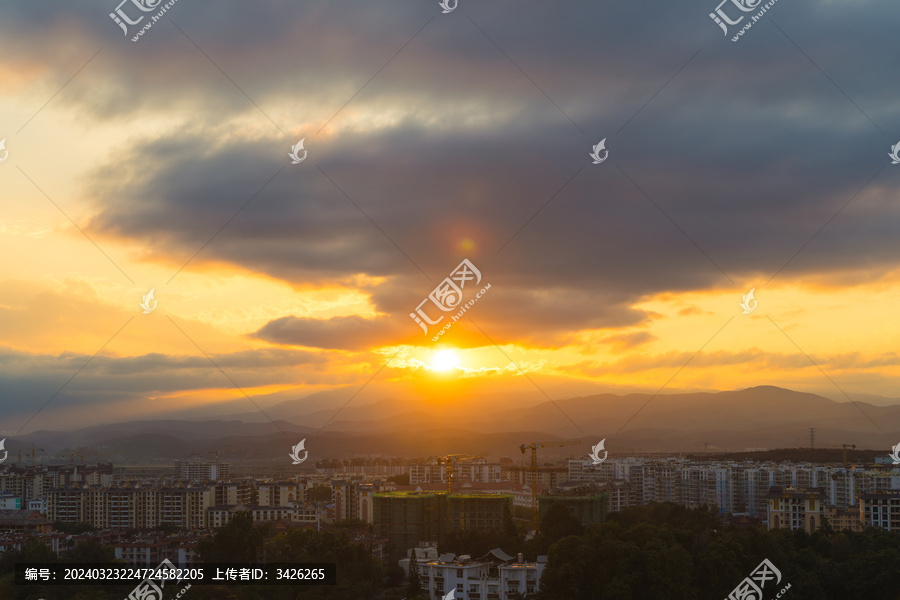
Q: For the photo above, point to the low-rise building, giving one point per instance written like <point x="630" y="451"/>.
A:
<point x="142" y="553"/>
<point x="10" y="501"/>
<point x="495" y="576"/>
<point x="219" y="516"/>
<point x="25" y="521"/>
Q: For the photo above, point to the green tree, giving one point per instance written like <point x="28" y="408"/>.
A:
<point x="89" y="551"/>
<point x="359" y="574"/>
<point x="237" y="542"/>
<point x="558" y="522"/>
<point x="414" y="588"/>
<point x="319" y="493"/>
<point x="353" y="525"/>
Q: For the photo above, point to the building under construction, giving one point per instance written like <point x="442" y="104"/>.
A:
<point x="585" y="501"/>
<point x="408" y="518"/>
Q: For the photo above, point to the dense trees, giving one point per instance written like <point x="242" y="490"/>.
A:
<point x="644" y="553"/>
<point x="359" y="574"/>
<point x="667" y="551"/>
<point x="240" y="541"/>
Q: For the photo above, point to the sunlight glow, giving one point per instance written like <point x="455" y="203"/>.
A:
<point x="444" y="360"/>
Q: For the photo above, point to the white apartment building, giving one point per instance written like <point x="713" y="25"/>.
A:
<point x="496" y="576"/>
<point x="734" y="487"/>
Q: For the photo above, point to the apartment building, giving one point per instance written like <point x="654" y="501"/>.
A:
<point x="880" y="509"/>
<point x="219" y="516"/>
<point x="130" y="505"/>
<point x="280" y="493"/>
<point x="549" y="476"/>
<point x="199" y="470"/>
<point x="843" y="519"/>
<point x="474" y="470"/>
<point x="733" y="487"/>
<point x="32" y="482"/>
<point x="795" y="508"/>
<point x="495" y="576"/>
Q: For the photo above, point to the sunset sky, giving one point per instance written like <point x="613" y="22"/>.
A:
<point x="433" y="138"/>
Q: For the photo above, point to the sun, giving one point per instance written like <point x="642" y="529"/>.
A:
<point x="444" y="360"/>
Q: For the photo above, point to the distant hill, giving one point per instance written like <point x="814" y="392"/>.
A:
<point x="759" y="417"/>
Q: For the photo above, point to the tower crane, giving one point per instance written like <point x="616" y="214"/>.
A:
<point x="844" y="447"/>
<point x="33" y="451"/>
<point x="448" y="460"/>
<point x="534" y="465"/>
<point x="80" y="453"/>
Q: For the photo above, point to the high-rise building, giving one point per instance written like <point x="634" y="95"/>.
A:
<point x="343" y="496"/>
<point x="880" y="509"/>
<point x="478" y="511"/>
<point x="407" y="518"/>
<point x="197" y="469"/>
<point x="365" y="506"/>
<point x="130" y="505"/>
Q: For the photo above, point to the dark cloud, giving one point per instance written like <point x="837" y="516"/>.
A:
<point x="721" y="172"/>
<point x="352" y="333"/>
